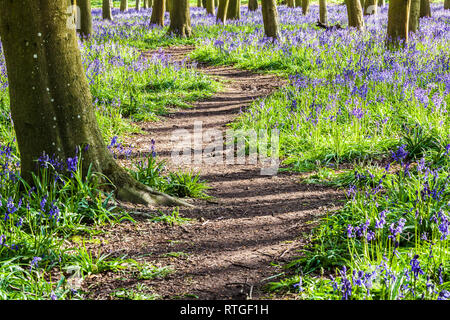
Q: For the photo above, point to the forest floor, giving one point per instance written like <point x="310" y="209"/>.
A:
<point x="237" y="241"/>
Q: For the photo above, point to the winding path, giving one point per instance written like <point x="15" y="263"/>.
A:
<point x="254" y="220"/>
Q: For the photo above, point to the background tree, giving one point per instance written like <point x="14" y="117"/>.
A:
<point x="425" y="9"/>
<point x="85" y="18"/>
<point x="354" y="13"/>
<point x="270" y="18"/>
<point x="158" y="10"/>
<point x="305" y="6"/>
<point x="290" y="3"/>
<point x="169" y="4"/>
<point x="370" y="7"/>
<point x="253" y="5"/>
<point x="123" y="5"/>
<point x="222" y="11"/>
<point x="180" y="19"/>
<point x="414" y="15"/>
<point x="51" y="103"/>
<point x="210" y="9"/>
<point x="138" y="5"/>
<point x="323" y="12"/>
<point x="107" y="10"/>
<point x="298" y="3"/>
<point x="234" y="10"/>
<point x="145" y="4"/>
<point x="447" y="4"/>
<point x="398" y="16"/>
<point x="381" y="3"/>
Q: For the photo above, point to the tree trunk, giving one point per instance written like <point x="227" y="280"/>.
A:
<point x="199" y="3"/>
<point x="270" y="18"/>
<point x="425" y="9"/>
<point x="51" y="103"/>
<point x="447" y="4"/>
<point x="323" y="12"/>
<point x="85" y="18"/>
<point x="138" y="5"/>
<point x="305" y="6"/>
<point x="180" y="19"/>
<point x="290" y="3"/>
<point x="363" y="2"/>
<point x="381" y="3"/>
<point x="234" y="10"/>
<point x="222" y="11"/>
<point x="398" y="16"/>
<point x="414" y="14"/>
<point x="298" y="3"/>
<point x="204" y="3"/>
<point x="123" y="5"/>
<point x="107" y="10"/>
<point x="252" y="5"/>
<point x="158" y="12"/>
<point x="144" y="4"/>
<point x="370" y="7"/>
<point x="355" y="15"/>
<point x="210" y="9"/>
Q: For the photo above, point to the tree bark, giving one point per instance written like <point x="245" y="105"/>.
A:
<point x="234" y="10"/>
<point x="51" y="103"/>
<point x="123" y="5"/>
<point x="180" y="19"/>
<point x="210" y="9"/>
<point x="158" y="12"/>
<point x="222" y="11"/>
<point x="355" y="15"/>
<point x="370" y="7"/>
<point x="305" y="6"/>
<point x="323" y="12"/>
<point x="425" y="9"/>
<point x="414" y="14"/>
<point x="107" y="10"/>
<point x="381" y="3"/>
<point x="253" y="5"/>
<point x="290" y="3"/>
<point x="270" y="18"/>
<point x="169" y="4"/>
<point x="447" y="4"/>
<point x="85" y="18"/>
<point x="138" y="5"/>
<point x="298" y="3"/>
<point x="398" y="16"/>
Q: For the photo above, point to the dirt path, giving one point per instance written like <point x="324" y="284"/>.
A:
<point x="254" y="220"/>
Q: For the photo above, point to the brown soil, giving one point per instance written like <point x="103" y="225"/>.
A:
<point x="236" y="242"/>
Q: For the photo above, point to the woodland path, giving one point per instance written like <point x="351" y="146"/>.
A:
<point x="254" y="220"/>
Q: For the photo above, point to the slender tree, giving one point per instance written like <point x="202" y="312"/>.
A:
<point x="123" y="5"/>
<point x="381" y="3"/>
<point x="253" y="5"/>
<point x="180" y="19"/>
<point x="222" y="11"/>
<point x="323" y="12"/>
<point x="107" y="10"/>
<point x="414" y="14"/>
<point x="290" y="3"/>
<point x="363" y="2"/>
<point x="210" y="9"/>
<point x="370" y="7"/>
<point x="425" y="9"/>
<point x="51" y="103"/>
<point x="85" y="18"/>
<point x="398" y="16"/>
<point x="158" y="12"/>
<point x="234" y="10"/>
<point x="305" y="6"/>
<point x="355" y="15"/>
<point x="144" y="4"/>
<point x="270" y="18"/>
<point x="138" y="5"/>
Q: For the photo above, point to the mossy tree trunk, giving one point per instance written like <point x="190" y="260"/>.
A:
<point x="253" y="5"/>
<point x="370" y="7"/>
<point x="425" y="9"/>
<point x="107" y="10"/>
<point x="270" y="18"/>
<point x="158" y="10"/>
<point x="123" y="5"/>
<point x="398" y="16"/>
<point x="305" y="6"/>
<point x="323" y="12"/>
<point x="222" y="11"/>
<point x="210" y="8"/>
<point x="234" y="10"/>
<point x="85" y="18"/>
<point x="180" y="19"/>
<point x="354" y="13"/>
<point x="414" y="15"/>
<point x="51" y="103"/>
